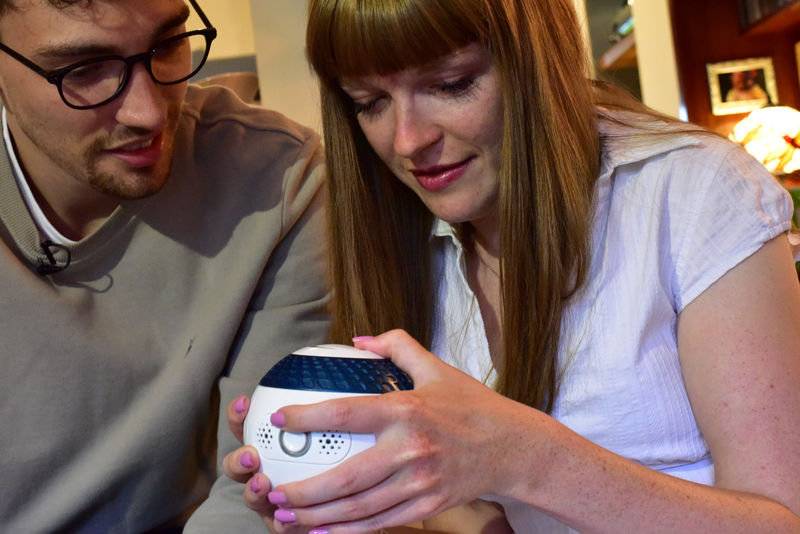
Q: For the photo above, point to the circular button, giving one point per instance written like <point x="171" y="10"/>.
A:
<point x="294" y="444"/>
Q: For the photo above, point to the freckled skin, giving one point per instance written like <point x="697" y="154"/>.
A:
<point x="439" y="115"/>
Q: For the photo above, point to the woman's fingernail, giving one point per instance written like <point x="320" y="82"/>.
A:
<point x="285" y="516"/>
<point x="239" y="406"/>
<point x="246" y="460"/>
<point x="277" y="498"/>
<point x="318" y="531"/>
<point x="362" y="338"/>
<point x="255" y="486"/>
<point x="277" y="419"/>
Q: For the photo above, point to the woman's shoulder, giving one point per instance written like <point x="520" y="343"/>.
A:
<point x="682" y="152"/>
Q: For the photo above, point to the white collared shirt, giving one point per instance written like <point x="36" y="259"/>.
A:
<point x="45" y="227"/>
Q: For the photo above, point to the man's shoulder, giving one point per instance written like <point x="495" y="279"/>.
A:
<point x="215" y="106"/>
<point x="219" y="132"/>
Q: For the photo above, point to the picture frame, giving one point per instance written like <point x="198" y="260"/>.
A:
<point x="742" y="85"/>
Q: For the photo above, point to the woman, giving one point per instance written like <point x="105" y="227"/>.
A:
<point x="618" y="285"/>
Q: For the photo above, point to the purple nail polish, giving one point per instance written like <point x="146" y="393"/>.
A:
<point x="277" y="419"/>
<point x="285" y="516"/>
<point x="255" y="486"/>
<point x="239" y="406"/>
<point x="318" y="531"/>
<point x="246" y="460"/>
<point x="362" y="338"/>
<point x="277" y="497"/>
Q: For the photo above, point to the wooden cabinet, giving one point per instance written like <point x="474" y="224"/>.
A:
<point x="710" y="31"/>
<point x="761" y="17"/>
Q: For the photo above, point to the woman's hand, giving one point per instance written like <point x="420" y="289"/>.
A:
<point x="242" y="465"/>
<point x="438" y="446"/>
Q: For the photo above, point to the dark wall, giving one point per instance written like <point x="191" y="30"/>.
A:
<point x="708" y="31"/>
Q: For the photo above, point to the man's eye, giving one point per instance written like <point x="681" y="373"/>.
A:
<point x="92" y="73"/>
<point x="176" y="47"/>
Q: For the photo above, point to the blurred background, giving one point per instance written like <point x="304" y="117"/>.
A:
<point x="677" y="56"/>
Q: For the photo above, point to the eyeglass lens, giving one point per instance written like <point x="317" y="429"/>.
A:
<point x="172" y="61"/>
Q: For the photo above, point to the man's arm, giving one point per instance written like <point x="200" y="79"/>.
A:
<point x="288" y="310"/>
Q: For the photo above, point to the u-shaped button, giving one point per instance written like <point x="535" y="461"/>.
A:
<point x="294" y="444"/>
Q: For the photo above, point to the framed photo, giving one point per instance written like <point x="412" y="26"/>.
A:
<point x="741" y="86"/>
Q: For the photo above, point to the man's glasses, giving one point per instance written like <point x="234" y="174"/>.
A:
<point x="97" y="81"/>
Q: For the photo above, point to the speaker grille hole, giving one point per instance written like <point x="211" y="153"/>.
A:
<point x="265" y="436"/>
<point x="330" y="443"/>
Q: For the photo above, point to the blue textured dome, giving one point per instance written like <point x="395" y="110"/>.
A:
<point x="341" y="375"/>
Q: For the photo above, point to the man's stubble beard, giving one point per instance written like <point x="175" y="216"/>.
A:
<point x="130" y="183"/>
<point x="89" y="165"/>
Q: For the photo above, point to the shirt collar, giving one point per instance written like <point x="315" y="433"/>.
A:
<point x="42" y="223"/>
<point x="445" y="230"/>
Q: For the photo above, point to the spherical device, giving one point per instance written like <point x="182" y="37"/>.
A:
<point x="307" y="376"/>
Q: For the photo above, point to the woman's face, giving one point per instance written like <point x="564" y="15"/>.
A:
<point x="439" y="128"/>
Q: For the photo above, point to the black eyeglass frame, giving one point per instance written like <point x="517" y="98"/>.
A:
<point x="56" y="77"/>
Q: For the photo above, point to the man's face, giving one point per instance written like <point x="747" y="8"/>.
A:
<point x="122" y="149"/>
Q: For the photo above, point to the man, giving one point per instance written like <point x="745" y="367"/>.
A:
<point x="745" y="87"/>
<point x="160" y="248"/>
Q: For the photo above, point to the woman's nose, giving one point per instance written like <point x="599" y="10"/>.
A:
<point x="414" y="131"/>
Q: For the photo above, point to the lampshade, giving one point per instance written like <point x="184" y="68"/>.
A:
<point x="772" y="136"/>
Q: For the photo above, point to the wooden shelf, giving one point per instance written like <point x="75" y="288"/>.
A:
<point x="785" y="18"/>
<point x="620" y="56"/>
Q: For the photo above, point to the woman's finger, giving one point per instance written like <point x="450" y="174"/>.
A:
<point x="255" y="496"/>
<point x="385" y="497"/>
<point x="363" y="414"/>
<point x="405" y="352"/>
<point x="241" y="464"/>
<point x="359" y="473"/>
<point x="404" y="513"/>
<point x="237" y="411"/>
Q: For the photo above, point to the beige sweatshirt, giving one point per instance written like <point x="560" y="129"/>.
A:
<point x="113" y="368"/>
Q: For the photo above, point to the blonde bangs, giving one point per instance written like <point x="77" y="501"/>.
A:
<point x="348" y="38"/>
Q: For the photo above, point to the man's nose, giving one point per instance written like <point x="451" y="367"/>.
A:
<point x="142" y="104"/>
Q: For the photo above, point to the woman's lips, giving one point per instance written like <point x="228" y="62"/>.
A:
<point x="140" y="154"/>
<point x="439" y="177"/>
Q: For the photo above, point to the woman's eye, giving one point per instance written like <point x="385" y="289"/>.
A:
<point x="367" y="108"/>
<point x="458" y="87"/>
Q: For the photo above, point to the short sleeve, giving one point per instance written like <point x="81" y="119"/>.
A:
<point x="733" y="205"/>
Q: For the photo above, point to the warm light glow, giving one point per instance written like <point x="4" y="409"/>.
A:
<point x="771" y="135"/>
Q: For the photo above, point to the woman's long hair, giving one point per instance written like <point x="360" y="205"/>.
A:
<point x="550" y="158"/>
